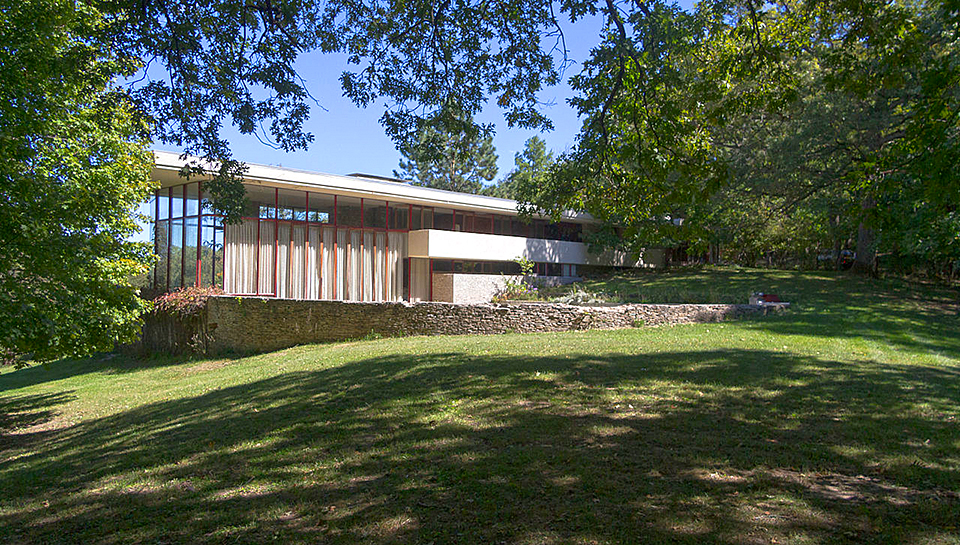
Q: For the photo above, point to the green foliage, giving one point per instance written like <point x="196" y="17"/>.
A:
<point x="233" y="61"/>
<point x="532" y="167"/>
<point x="578" y="295"/>
<point x="372" y="335"/>
<point x="773" y="129"/>
<point x="457" y="156"/>
<point x="526" y="266"/>
<point x="74" y="166"/>
<point x="521" y="288"/>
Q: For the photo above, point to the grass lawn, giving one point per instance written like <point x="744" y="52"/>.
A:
<point x="837" y="422"/>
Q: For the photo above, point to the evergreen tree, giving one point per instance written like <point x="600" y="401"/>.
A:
<point x="530" y="168"/>
<point x="456" y="157"/>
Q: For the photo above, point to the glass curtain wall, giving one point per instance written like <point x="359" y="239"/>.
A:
<point x="289" y="243"/>
<point x="305" y="245"/>
<point x="187" y="238"/>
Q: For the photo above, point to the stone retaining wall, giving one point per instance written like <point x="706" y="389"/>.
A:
<point x="261" y="324"/>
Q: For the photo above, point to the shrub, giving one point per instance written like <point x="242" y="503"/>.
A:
<point x="519" y="289"/>
<point x="179" y="324"/>
<point x="579" y="296"/>
<point x="184" y="302"/>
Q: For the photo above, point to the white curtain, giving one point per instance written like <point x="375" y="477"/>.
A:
<point x="298" y="257"/>
<point x="314" y="264"/>
<point x="265" y="284"/>
<point x="380" y="268"/>
<point x="283" y="260"/>
<point x="355" y="266"/>
<point x="396" y="252"/>
<point x="420" y="279"/>
<point x="240" y="257"/>
<point x="367" y="278"/>
<point x="328" y="288"/>
<point x="340" y="264"/>
<point x="343" y="240"/>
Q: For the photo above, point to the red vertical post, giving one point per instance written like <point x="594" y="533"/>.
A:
<point x="289" y="264"/>
<point x="306" y="243"/>
<point x="169" y="232"/>
<point x="362" y="244"/>
<point x="409" y="262"/>
<point x="223" y="244"/>
<point x="256" y="272"/>
<point x="386" y="252"/>
<point x="183" y="233"/>
<point x="346" y="264"/>
<point x="336" y="233"/>
<point x="156" y="220"/>
<point x="276" y="238"/>
<point x="199" y="230"/>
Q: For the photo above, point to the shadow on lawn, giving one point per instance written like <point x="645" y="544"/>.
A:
<point x="919" y="318"/>
<point x="112" y="363"/>
<point x="922" y="328"/>
<point x="724" y="446"/>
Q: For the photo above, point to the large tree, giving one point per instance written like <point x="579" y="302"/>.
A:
<point x="452" y="156"/>
<point x="781" y="106"/>
<point x="73" y="168"/>
<point x="232" y="61"/>
<point x="671" y="102"/>
<point x="531" y="167"/>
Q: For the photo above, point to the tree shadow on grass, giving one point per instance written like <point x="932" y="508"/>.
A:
<point x="721" y="446"/>
<point x="918" y="318"/>
<point x="111" y="363"/>
<point x="25" y="411"/>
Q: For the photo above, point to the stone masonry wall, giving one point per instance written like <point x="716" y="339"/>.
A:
<point x="482" y="288"/>
<point x="261" y="324"/>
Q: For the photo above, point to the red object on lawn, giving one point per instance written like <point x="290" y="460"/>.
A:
<point x="771" y="298"/>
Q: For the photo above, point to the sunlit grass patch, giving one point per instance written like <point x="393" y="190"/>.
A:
<point x="837" y="422"/>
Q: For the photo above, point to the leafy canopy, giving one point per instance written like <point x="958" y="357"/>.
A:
<point x="73" y="167"/>
<point x="817" y="109"/>
<point x="232" y="62"/>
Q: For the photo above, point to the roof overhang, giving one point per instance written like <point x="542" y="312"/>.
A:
<point x="168" y="165"/>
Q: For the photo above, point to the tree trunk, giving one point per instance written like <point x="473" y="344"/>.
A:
<point x="866" y="258"/>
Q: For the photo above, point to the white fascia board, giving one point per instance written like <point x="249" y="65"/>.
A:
<point x="168" y="164"/>
<point x="437" y="244"/>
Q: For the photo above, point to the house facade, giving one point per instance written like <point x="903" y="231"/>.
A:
<point x="307" y="235"/>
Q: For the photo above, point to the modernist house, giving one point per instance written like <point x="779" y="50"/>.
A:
<point x="307" y="235"/>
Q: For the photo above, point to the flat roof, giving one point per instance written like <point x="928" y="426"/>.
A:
<point x="168" y="165"/>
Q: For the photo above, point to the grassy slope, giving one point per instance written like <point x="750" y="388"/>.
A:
<point x="839" y="422"/>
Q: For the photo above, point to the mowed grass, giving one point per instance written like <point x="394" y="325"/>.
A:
<point x="837" y="422"/>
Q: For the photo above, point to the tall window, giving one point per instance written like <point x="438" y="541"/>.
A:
<point x="289" y="243"/>
<point x="188" y="239"/>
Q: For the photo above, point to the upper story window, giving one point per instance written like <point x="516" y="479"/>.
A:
<point x="270" y="203"/>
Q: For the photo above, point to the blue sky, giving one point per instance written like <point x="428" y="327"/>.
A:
<point x="351" y="139"/>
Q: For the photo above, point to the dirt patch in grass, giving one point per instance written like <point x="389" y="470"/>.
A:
<point x="206" y="365"/>
<point x="860" y="488"/>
